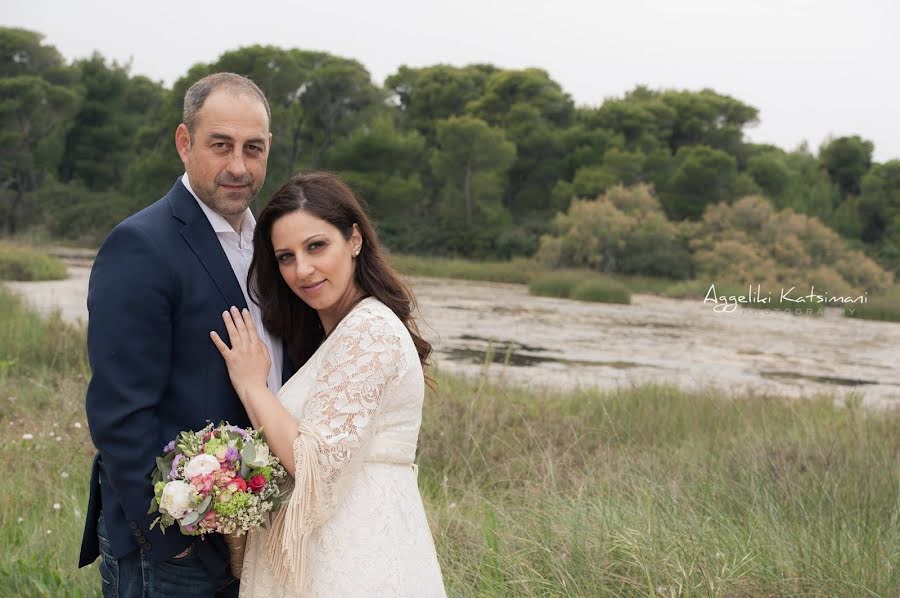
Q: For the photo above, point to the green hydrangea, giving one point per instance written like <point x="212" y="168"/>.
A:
<point x="237" y="503"/>
<point x="213" y="445"/>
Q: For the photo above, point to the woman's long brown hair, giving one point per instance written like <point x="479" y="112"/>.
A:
<point x="325" y="196"/>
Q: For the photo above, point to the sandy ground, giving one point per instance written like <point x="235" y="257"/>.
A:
<point x="538" y="341"/>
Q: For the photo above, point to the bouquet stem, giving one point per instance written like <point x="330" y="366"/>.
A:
<point x="236" y="547"/>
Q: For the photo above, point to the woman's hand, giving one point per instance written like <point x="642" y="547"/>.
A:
<point x="247" y="359"/>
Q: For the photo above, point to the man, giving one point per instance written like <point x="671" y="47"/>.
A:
<point x="159" y="285"/>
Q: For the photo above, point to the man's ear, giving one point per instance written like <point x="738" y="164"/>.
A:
<point x="182" y="141"/>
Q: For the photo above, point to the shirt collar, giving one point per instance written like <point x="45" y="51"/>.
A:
<point x="218" y="222"/>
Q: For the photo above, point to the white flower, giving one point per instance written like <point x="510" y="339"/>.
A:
<point x="49" y="532"/>
<point x="65" y="474"/>
<point x="176" y="498"/>
<point x="77" y="424"/>
<point x="200" y="465"/>
<point x="21" y="519"/>
<point x="27" y="436"/>
<point x="262" y="456"/>
<point x="58" y="438"/>
<point x="56" y="506"/>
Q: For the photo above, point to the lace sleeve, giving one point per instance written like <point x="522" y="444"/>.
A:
<point x="362" y="361"/>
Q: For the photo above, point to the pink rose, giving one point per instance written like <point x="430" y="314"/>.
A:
<point x="257" y="483"/>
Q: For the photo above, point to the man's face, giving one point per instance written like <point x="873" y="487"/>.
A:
<point x="225" y="158"/>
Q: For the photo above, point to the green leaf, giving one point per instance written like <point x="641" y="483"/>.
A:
<point x="190" y="519"/>
<point x="204" y="507"/>
<point x="248" y="453"/>
<point x="154" y="506"/>
<point x="163" y="466"/>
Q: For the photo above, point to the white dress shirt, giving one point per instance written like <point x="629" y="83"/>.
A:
<point x="238" y="248"/>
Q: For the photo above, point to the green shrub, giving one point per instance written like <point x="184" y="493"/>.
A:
<point x="555" y="284"/>
<point x="885" y="307"/>
<point x="624" y="231"/>
<point x="23" y="263"/>
<point x="602" y="290"/>
<point x="581" y="285"/>
<point x="519" y="270"/>
<point x="72" y="212"/>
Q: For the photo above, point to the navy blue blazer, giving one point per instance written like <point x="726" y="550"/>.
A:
<point x="159" y="285"/>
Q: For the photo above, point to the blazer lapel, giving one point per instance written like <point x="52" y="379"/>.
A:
<point x="199" y="235"/>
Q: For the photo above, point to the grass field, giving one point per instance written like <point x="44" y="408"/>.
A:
<point x="22" y="262"/>
<point x="644" y="491"/>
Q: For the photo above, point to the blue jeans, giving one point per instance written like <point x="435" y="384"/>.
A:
<point x="136" y="576"/>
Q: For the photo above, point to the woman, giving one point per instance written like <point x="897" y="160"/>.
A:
<point x="345" y="426"/>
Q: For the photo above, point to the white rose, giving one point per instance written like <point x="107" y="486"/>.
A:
<point x="176" y="498"/>
<point x="200" y="465"/>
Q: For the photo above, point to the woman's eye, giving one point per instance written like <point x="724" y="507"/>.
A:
<point x="315" y="245"/>
<point x="283" y="258"/>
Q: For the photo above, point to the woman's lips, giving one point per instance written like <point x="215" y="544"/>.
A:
<point x="312" y="288"/>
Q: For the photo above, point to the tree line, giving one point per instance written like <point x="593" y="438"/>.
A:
<point x="472" y="161"/>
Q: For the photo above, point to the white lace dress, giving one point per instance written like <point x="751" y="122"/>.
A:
<point x="356" y="503"/>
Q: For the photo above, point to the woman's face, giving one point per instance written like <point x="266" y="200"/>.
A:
<point x="317" y="263"/>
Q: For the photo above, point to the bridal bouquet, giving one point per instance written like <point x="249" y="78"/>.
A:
<point x="221" y="479"/>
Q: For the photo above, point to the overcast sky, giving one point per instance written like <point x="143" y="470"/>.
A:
<point x="813" y="68"/>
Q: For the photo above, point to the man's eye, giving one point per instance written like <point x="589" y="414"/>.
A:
<point x="219" y="145"/>
<point x="255" y="149"/>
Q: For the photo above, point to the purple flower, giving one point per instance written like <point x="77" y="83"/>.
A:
<point x="169" y="447"/>
<point x="173" y="475"/>
<point x="232" y="454"/>
<point x="244" y="433"/>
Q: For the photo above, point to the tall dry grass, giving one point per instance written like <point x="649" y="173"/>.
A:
<point x="643" y="491"/>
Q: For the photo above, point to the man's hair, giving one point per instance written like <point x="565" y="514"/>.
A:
<point x="197" y="93"/>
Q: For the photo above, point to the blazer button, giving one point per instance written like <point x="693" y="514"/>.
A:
<point x="148" y="546"/>
<point x="132" y="525"/>
<point x="142" y="541"/>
